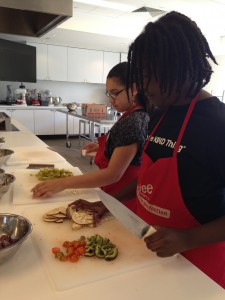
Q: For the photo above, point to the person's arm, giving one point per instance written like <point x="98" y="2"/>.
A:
<point x="120" y="160"/>
<point x="127" y="192"/>
<point x="169" y="241"/>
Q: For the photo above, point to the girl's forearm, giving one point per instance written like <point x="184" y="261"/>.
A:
<point x="91" y="180"/>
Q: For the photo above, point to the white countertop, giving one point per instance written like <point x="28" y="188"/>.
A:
<point x="32" y="107"/>
<point x="25" y="276"/>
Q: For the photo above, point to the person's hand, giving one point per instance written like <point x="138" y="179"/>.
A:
<point x="92" y="147"/>
<point x="97" y="206"/>
<point x="47" y="188"/>
<point x="167" y="241"/>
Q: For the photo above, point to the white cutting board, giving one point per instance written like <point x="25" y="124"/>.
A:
<point x="133" y="254"/>
<point x="35" y="155"/>
<point x="26" y="179"/>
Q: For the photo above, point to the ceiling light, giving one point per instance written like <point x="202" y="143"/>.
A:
<point x="152" y="11"/>
<point x="107" y="4"/>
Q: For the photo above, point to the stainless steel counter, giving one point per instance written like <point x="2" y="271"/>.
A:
<point x="92" y="123"/>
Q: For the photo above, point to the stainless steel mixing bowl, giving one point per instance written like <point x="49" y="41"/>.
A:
<point x="15" y="229"/>
<point x="71" y="106"/>
<point x="5" y="182"/>
<point x="5" y="155"/>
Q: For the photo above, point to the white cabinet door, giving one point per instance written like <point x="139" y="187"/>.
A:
<point x="85" y="65"/>
<point x="94" y="66"/>
<point x="110" y="60"/>
<point x="6" y="111"/>
<point x="51" y="62"/>
<point x="41" y="60"/>
<point x="25" y="117"/>
<point x="44" y="122"/>
<point x="60" y="123"/>
<point x="123" y="56"/>
<point x="57" y="63"/>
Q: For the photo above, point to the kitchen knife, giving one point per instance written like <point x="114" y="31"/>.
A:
<point x="125" y="216"/>
<point x="40" y="166"/>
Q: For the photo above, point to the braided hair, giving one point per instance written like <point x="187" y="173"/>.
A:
<point x="174" y="51"/>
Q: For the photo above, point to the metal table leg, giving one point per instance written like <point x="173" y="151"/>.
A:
<point x="68" y="143"/>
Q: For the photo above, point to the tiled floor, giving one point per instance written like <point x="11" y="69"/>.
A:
<point x="73" y="154"/>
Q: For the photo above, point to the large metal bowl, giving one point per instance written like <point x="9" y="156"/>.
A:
<point x="5" y="182"/>
<point x="17" y="229"/>
<point x="5" y="155"/>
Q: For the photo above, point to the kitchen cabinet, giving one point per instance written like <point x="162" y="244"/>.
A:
<point x="85" y="65"/>
<point x="57" y="63"/>
<point x="26" y="118"/>
<point x="60" y="123"/>
<point x="41" y="60"/>
<point x="44" y="122"/>
<point x="51" y="62"/>
<point x="110" y="59"/>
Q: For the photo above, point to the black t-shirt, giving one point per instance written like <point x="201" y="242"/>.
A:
<point x="201" y="157"/>
<point x="132" y="128"/>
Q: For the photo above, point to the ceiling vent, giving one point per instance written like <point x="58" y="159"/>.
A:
<point x="152" y="11"/>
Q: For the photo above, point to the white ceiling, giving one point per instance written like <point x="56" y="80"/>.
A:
<point x="96" y="27"/>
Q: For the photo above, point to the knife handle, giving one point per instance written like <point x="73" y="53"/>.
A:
<point x="150" y="231"/>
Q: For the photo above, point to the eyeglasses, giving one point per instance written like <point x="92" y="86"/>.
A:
<point x="113" y="95"/>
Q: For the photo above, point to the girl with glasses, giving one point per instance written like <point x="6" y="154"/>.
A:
<point x="119" y="151"/>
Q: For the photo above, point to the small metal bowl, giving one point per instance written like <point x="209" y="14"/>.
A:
<point x="71" y="106"/>
<point x="5" y="155"/>
<point x="5" y="182"/>
<point x="17" y="229"/>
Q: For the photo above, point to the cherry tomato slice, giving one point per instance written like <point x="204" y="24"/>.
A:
<point x="55" y="250"/>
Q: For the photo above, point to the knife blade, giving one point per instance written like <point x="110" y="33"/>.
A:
<point x="125" y="216"/>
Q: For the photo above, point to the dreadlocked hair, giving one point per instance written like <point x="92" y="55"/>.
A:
<point x="174" y="51"/>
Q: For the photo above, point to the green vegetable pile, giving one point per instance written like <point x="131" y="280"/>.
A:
<point x="46" y="173"/>
<point x="100" y="247"/>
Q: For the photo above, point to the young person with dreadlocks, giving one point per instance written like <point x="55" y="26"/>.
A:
<point x="118" y="152"/>
<point x="183" y="163"/>
<point x="181" y="184"/>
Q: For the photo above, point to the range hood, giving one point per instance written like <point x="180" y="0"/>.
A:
<point x="33" y="18"/>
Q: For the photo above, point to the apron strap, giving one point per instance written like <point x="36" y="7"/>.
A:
<point x="154" y="129"/>
<point x="184" y="125"/>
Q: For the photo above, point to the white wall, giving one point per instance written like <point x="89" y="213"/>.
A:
<point x="68" y="91"/>
<point x="217" y="82"/>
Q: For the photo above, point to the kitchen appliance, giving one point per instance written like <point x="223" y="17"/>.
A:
<point x="20" y="94"/>
<point x="33" y="18"/>
<point x="10" y="95"/>
<point x="125" y="216"/>
<point x="17" y="61"/>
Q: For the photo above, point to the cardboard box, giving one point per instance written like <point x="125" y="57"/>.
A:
<point x="92" y="110"/>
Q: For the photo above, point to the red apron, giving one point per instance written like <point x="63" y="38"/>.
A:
<point x="160" y="202"/>
<point x="130" y="174"/>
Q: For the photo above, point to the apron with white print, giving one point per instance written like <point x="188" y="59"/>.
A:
<point x="160" y="202"/>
